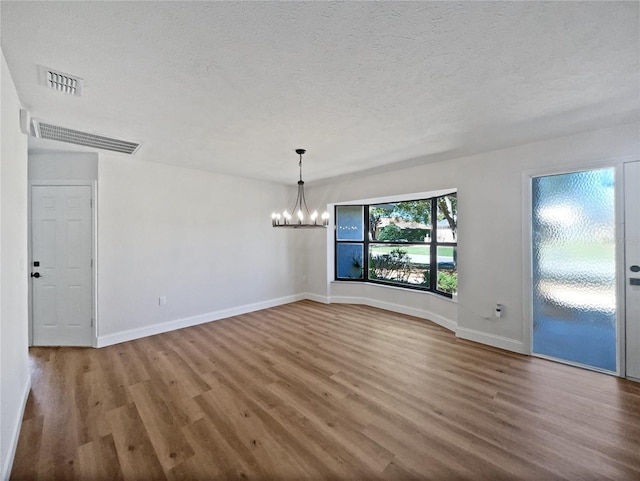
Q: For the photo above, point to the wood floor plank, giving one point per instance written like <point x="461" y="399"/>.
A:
<point x="315" y="391"/>
<point x="174" y="370"/>
<point x="225" y="414"/>
<point x="250" y="435"/>
<point x="215" y="458"/>
<point x="340" y="463"/>
<point x="169" y="444"/>
<point x="98" y="461"/>
<point x="340" y="430"/>
<point x="137" y="457"/>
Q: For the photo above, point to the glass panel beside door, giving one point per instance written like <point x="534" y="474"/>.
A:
<point x="574" y="268"/>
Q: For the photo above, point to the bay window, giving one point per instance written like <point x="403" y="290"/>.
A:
<point x="410" y="244"/>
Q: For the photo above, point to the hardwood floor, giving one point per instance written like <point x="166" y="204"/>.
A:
<point x="313" y="391"/>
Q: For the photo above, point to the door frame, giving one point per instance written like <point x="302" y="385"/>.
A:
<point x="93" y="184"/>
<point x="626" y="238"/>
<point x="527" y="261"/>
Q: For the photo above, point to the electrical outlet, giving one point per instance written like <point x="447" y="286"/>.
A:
<point x="162" y="300"/>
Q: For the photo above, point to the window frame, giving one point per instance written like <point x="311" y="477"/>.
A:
<point x="366" y="242"/>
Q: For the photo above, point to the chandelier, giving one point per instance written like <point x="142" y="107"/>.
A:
<point x="300" y="217"/>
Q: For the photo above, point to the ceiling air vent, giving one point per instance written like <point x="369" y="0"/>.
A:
<point x="45" y="130"/>
<point x="62" y="82"/>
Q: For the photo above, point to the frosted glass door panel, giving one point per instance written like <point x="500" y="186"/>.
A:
<point x="574" y="268"/>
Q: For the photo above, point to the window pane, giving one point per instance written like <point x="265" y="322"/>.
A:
<point x="447" y="206"/>
<point x="349" y="261"/>
<point x="349" y="222"/>
<point x="399" y="263"/>
<point x="574" y="267"/>
<point x="401" y="221"/>
<point x="447" y="269"/>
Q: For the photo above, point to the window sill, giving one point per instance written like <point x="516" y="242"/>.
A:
<point x="453" y="299"/>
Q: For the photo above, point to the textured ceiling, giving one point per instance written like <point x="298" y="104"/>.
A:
<point x="236" y="87"/>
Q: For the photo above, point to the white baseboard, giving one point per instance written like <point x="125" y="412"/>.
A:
<point x="491" y="340"/>
<point x="316" y="297"/>
<point x="461" y="332"/>
<point x="131" y="334"/>
<point x="7" y="463"/>
<point x="389" y="306"/>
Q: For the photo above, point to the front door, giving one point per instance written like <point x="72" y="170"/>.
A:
<point x="61" y="265"/>
<point x="632" y="267"/>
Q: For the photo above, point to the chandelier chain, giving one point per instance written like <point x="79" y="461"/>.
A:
<point x="300" y="165"/>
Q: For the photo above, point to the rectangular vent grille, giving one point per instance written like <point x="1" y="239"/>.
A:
<point x="63" y="134"/>
<point x="62" y="82"/>
<point x="59" y="81"/>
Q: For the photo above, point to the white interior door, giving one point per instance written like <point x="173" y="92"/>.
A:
<point x="632" y="267"/>
<point x="61" y="267"/>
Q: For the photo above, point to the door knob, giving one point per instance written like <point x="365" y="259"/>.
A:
<point x="35" y="274"/>
<point x="634" y="268"/>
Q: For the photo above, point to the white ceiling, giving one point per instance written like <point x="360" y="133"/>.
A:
<point x="235" y="87"/>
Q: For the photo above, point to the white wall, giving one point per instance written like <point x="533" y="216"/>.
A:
<point x="63" y="165"/>
<point x="14" y="368"/>
<point x="203" y="240"/>
<point x="490" y="260"/>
